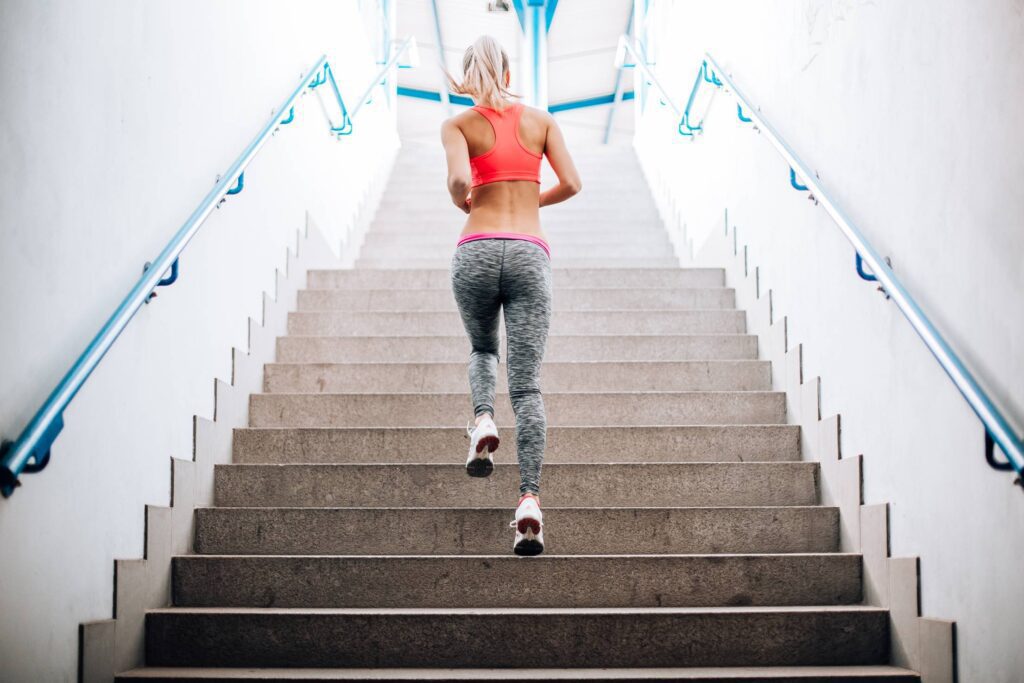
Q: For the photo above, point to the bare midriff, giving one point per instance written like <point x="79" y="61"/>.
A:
<point x="510" y="206"/>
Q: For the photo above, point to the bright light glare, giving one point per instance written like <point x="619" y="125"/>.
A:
<point x="622" y="54"/>
<point x="410" y="58"/>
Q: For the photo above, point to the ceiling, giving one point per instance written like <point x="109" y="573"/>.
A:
<point x="581" y="44"/>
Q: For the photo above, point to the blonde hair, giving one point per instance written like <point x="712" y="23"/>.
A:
<point x="483" y="74"/>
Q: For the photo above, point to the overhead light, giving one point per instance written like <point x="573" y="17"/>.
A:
<point x="498" y="6"/>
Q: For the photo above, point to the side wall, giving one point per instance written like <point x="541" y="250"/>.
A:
<point x="118" y="118"/>
<point x="903" y="110"/>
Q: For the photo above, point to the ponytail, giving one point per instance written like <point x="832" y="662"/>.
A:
<point x="484" y="67"/>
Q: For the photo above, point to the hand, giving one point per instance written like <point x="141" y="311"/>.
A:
<point x="466" y="204"/>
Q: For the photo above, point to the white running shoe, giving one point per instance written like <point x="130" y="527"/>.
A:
<point x="529" y="526"/>
<point x="483" y="440"/>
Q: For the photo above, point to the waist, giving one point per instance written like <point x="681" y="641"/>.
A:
<point x="539" y="241"/>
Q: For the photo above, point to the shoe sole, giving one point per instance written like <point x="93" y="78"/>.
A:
<point x="482" y="465"/>
<point x="528" y="547"/>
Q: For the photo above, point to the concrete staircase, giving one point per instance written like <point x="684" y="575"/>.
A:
<point x="684" y="536"/>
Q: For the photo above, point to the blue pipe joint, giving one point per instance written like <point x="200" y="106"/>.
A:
<point x="864" y="275"/>
<point x="165" y="282"/>
<point x="739" y="113"/>
<point x="239" y="186"/>
<point x="291" y="117"/>
<point x="794" y="183"/>
<point x="35" y="460"/>
<point x="319" y="80"/>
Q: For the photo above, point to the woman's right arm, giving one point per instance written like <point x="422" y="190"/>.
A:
<point x="456" y="150"/>
<point x="569" y="182"/>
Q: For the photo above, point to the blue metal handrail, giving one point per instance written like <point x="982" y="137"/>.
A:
<point x="998" y="430"/>
<point x="30" y="452"/>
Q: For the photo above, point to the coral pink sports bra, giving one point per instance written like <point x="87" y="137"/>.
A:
<point x="508" y="159"/>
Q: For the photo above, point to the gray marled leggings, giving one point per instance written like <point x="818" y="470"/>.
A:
<point x="487" y="275"/>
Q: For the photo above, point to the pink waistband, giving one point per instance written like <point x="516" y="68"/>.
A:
<point x="506" y="236"/>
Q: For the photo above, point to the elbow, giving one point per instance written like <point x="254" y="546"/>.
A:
<point x="574" y="186"/>
<point x="458" y="186"/>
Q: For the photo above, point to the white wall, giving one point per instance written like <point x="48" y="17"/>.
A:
<point x="907" y="111"/>
<point x="117" y="118"/>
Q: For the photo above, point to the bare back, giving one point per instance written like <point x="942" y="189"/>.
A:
<point x="510" y="205"/>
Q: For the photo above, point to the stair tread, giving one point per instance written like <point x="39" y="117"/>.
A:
<point x="711" y="673"/>
<point x="528" y="611"/>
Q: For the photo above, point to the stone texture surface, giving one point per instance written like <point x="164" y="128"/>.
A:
<point x="600" y="376"/>
<point x="564" y="485"/>
<point x="434" y="278"/>
<point x="695" y="443"/>
<point x="447" y="322"/>
<point x="507" y="581"/>
<point x="484" y="531"/>
<point x="566" y="299"/>
<point x="566" y="408"/>
<point x="560" y="348"/>
<point x="745" y="674"/>
<point x="386" y="263"/>
<point x="559" y="638"/>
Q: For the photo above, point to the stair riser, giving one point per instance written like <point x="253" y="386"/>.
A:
<point x="451" y="377"/>
<point x="559" y="250"/>
<point x="445" y="262"/>
<point x="561" y="236"/>
<point x="571" y="229"/>
<point x="312" y="639"/>
<point x="748" y="443"/>
<point x="563" y="300"/>
<point x="368" y="531"/>
<point x="339" y="323"/>
<point x="578" y="410"/>
<point x="565" y="485"/>
<point x="718" y="675"/>
<point x="637" y="581"/>
<point x="440" y="278"/>
<point x="560" y="348"/>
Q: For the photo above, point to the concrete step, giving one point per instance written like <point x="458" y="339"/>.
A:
<point x="723" y="636"/>
<point x="566" y="299"/>
<point x="746" y="674"/>
<point x="559" y="250"/>
<point x="578" y="409"/>
<point x="667" y="261"/>
<point x="440" y="278"/>
<point x="438" y="212"/>
<point x="505" y="581"/>
<point x="414" y="185"/>
<point x="556" y="377"/>
<point x="577" y="228"/>
<point x="560" y="348"/>
<point x="485" y="531"/>
<point x="337" y="323"/>
<point x="564" y="485"/>
<point x="744" y="443"/>
<point x="559" y="235"/>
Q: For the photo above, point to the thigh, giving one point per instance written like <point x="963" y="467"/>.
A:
<point x="475" y="275"/>
<point x="526" y="292"/>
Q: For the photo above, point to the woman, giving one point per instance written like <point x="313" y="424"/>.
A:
<point x="502" y="260"/>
